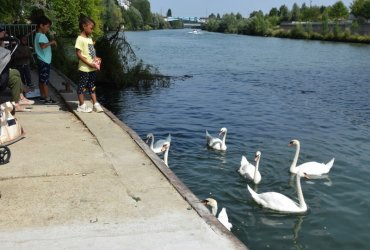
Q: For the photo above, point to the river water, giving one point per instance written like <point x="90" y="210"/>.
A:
<point x="266" y="91"/>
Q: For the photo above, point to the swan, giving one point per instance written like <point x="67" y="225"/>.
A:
<point x="217" y="143"/>
<point x="165" y="149"/>
<point x="279" y="202"/>
<point x="248" y="170"/>
<point x="157" y="146"/>
<point x="309" y="168"/>
<point x="222" y="216"/>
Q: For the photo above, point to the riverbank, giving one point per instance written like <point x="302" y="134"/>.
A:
<point x="88" y="181"/>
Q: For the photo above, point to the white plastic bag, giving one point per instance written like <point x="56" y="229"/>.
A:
<point x="10" y="129"/>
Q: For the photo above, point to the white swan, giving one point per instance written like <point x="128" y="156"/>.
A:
<point x="309" y="168"/>
<point x="157" y="146"/>
<point x="222" y="216"/>
<point x="280" y="202"/>
<point x="249" y="171"/>
<point x="215" y="142"/>
<point x="165" y="149"/>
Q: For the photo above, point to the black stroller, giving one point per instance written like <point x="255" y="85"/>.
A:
<point x="7" y="121"/>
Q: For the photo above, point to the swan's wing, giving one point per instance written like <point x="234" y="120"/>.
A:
<point x="330" y="163"/>
<point x="244" y="161"/>
<point x="224" y="219"/>
<point x="247" y="170"/>
<point x="314" y="168"/>
<point x="158" y="145"/>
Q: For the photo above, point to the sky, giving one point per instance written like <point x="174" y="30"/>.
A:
<point x="201" y="8"/>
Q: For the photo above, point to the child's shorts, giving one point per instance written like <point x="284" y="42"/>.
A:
<point x="86" y="82"/>
<point x="44" y="72"/>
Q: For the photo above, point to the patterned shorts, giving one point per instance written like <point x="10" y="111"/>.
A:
<point x="44" y="72"/>
<point x="86" y="82"/>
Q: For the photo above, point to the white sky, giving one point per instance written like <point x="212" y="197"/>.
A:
<point x="198" y="8"/>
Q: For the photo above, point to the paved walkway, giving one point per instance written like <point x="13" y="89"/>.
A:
<point x="86" y="181"/>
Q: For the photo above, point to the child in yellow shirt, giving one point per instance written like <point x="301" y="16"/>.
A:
<point x="88" y="64"/>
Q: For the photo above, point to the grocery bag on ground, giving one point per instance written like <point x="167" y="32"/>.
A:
<point x="10" y="128"/>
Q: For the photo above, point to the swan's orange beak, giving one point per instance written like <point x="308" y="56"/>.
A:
<point x="256" y="158"/>
<point x="306" y="176"/>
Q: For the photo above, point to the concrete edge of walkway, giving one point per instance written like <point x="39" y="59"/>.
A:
<point x="179" y="186"/>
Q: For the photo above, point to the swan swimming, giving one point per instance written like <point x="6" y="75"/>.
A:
<point x="249" y="171"/>
<point x="222" y="216"/>
<point x="165" y="149"/>
<point x="309" y="168"/>
<point x="279" y="202"/>
<point x="157" y="146"/>
<point x="215" y="142"/>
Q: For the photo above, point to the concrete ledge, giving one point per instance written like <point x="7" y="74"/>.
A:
<point x="88" y="181"/>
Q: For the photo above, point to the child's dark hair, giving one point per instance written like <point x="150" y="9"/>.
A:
<point x="85" y="20"/>
<point x="43" y="20"/>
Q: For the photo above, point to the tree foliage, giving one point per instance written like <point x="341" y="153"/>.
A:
<point x="143" y="6"/>
<point x="338" y="11"/>
<point x="361" y="8"/>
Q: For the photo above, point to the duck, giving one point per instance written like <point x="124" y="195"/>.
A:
<point x="222" y="216"/>
<point x="157" y="146"/>
<point x="311" y="168"/>
<point x="215" y="142"/>
<point x="279" y="202"/>
<point x="249" y="171"/>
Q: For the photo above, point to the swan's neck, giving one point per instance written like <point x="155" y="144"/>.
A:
<point x="293" y="168"/>
<point x="302" y="203"/>
<point x="165" y="156"/>
<point x="214" y="209"/>
<point x="224" y="139"/>
<point x="152" y="142"/>
<point x="256" y="169"/>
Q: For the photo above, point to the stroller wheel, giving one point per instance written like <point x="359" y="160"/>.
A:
<point x="4" y="155"/>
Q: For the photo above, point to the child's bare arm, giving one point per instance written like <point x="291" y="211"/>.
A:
<point x="44" y="45"/>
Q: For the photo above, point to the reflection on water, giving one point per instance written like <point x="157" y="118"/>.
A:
<point x="266" y="91"/>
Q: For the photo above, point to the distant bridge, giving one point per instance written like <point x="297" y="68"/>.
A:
<point x="189" y="22"/>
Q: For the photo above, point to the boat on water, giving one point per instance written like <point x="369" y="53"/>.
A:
<point x="196" y="32"/>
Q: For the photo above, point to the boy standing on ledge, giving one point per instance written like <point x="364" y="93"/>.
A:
<point x="43" y="51"/>
<point x="88" y="63"/>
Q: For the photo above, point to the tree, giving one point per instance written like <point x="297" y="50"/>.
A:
<point x="258" y="25"/>
<point x="10" y="10"/>
<point x="254" y="13"/>
<point x="218" y="16"/>
<point x="296" y="13"/>
<point x="357" y="7"/>
<point x="143" y="6"/>
<point x="274" y="12"/>
<point x="325" y="23"/>
<point x="239" y="16"/>
<point x="284" y="13"/>
<point x="113" y="16"/>
<point x="134" y="19"/>
<point x="169" y="13"/>
<point x="212" y="16"/>
<point x="338" y="11"/>
<point x="361" y="8"/>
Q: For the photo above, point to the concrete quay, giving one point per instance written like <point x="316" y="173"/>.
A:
<point x="87" y="181"/>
